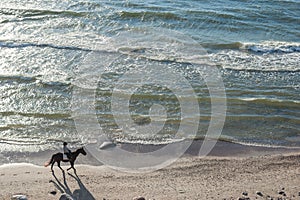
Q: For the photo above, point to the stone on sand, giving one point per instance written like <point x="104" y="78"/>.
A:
<point x="245" y="193"/>
<point x="139" y="198"/>
<point x="19" y="197"/>
<point x="107" y="145"/>
<point x="259" y="194"/>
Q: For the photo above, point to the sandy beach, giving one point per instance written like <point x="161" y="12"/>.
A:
<point x="190" y="177"/>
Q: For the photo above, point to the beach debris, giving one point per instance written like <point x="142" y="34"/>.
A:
<point x="259" y="194"/>
<point x="181" y="191"/>
<point x="65" y="197"/>
<point x="106" y="145"/>
<point x="282" y="193"/>
<point x="245" y="193"/>
<point x="19" y="197"/>
<point x="139" y="198"/>
<point x="244" y="198"/>
<point x="53" y="192"/>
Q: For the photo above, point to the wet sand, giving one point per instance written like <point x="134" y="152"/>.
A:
<point x="221" y="149"/>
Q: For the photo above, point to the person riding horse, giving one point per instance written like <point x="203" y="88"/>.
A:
<point x="58" y="158"/>
<point x="67" y="151"/>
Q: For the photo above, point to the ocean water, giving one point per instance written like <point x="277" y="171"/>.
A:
<point x="44" y="46"/>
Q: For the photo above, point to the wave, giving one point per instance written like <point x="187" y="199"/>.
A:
<point x="148" y="142"/>
<point x="277" y="56"/>
<point x="39" y="12"/>
<point x="167" y="46"/>
<point x="174" y="47"/>
<point x="25" y="44"/>
<point x="34" y="79"/>
<point x="265" y="56"/>
<point x="271" y="47"/>
<point x="36" y="115"/>
<point x="256" y="144"/>
<point x="150" y="15"/>
<point x="19" y="79"/>
<point x="223" y="138"/>
<point x="270" y="100"/>
<point x="221" y="46"/>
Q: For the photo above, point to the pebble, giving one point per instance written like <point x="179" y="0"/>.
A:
<point x="181" y="191"/>
<point x="19" y="197"/>
<point x="245" y="193"/>
<point x="259" y="194"/>
<point x="282" y="193"/>
<point x="139" y="198"/>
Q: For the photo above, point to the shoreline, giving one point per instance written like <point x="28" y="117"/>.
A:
<point x="222" y="149"/>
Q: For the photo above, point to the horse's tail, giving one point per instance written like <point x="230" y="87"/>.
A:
<point x="49" y="162"/>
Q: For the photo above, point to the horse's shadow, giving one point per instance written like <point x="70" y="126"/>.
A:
<point x="79" y="194"/>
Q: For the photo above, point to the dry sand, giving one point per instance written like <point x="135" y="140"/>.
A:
<point x="190" y="177"/>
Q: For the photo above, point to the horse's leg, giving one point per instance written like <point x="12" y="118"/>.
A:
<point x="58" y="164"/>
<point x="52" y="166"/>
<point x="74" y="169"/>
<point x="72" y="164"/>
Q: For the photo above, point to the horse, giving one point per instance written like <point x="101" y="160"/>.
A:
<point x="58" y="157"/>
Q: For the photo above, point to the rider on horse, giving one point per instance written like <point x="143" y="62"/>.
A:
<point x="67" y="151"/>
<point x="59" y="157"/>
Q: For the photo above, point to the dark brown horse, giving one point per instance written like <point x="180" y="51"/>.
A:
<point x="58" y="157"/>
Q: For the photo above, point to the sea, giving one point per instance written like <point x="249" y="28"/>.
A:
<point x="136" y="69"/>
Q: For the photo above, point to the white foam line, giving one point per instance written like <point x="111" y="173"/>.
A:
<point x="13" y="165"/>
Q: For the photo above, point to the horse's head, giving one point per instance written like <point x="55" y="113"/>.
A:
<point x="81" y="150"/>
